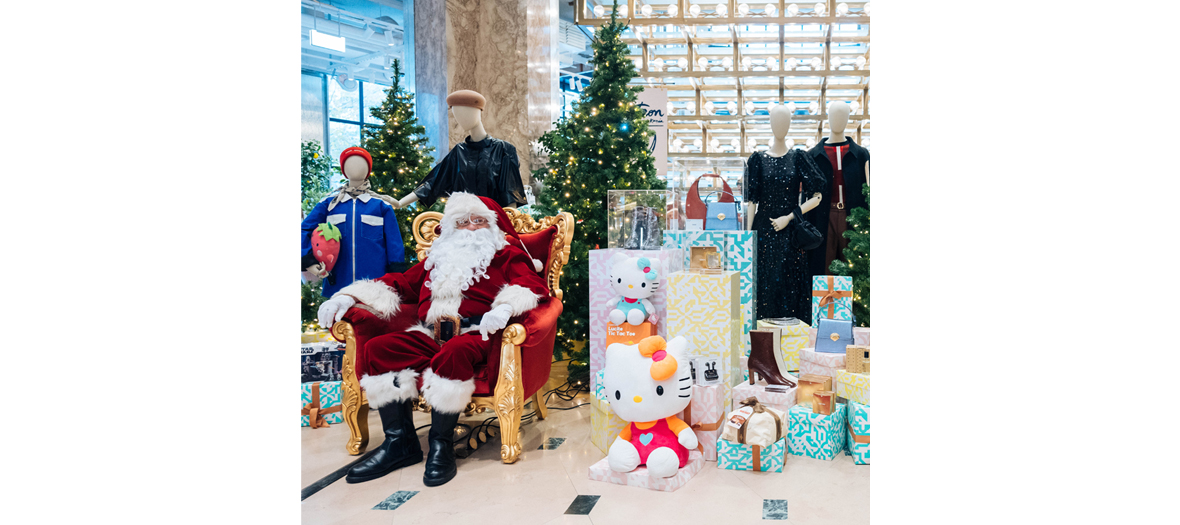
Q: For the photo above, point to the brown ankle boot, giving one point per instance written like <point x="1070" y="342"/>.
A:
<point x="764" y="344"/>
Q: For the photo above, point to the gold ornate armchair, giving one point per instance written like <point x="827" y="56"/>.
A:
<point x="510" y="376"/>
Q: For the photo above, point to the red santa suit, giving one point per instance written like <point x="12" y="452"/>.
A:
<point x="466" y="285"/>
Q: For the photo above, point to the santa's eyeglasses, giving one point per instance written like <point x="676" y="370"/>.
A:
<point x="478" y="221"/>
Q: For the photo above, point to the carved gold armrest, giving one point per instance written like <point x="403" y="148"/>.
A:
<point x="356" y="406"/>
<point x="509" y="403"/>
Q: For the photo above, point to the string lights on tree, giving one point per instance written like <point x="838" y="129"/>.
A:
<point x="403" y="157"/>
<point x="857" y="254"/>
<point x="602" y="146"/>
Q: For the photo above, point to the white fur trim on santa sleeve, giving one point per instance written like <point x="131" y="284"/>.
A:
<point x="448" y="396"/>
<point x="390" y="387"/>
<point x="517" y="297"/>
<point x="374" y="294"/>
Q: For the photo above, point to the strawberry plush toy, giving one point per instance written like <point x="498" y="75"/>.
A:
<point x="325" y="246"/>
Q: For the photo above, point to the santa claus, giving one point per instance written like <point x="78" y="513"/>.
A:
<point x="476" y="276"/>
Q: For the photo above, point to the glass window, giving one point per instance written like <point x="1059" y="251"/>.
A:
<point x="312" y="120"/>
<point x="342" y="136"/>
<point x="343" y="104"/>
<point x="374" y="96"/>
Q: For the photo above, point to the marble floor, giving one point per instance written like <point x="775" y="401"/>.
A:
<point x="549" y="484"/>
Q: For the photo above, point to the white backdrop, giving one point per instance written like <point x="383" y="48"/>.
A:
<point x="655" y="102"/>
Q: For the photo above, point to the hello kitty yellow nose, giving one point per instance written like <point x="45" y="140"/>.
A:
<point x="630" y="286"/>
<point x="637" y="399"/>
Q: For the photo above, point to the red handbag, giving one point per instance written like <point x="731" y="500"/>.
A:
<point x="694" y="207"/>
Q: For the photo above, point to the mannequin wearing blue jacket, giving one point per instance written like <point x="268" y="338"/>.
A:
<point x="371" y="241"/>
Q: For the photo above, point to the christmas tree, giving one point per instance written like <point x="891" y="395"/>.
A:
<point x="310" y="307"/>
<point x="857" y="266"/>
<point x="603" y="146"/>
<point x="401" y="158"/>
<point x="316" y="176"/>
<point x="316" y="181"/>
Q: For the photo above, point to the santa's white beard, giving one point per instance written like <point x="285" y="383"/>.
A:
<point x="457" y="260"/>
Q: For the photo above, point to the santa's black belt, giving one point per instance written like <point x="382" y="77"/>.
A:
<point x="449" y="326"/>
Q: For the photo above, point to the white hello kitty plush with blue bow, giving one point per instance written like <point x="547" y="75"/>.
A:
<point x="634" y="279"/>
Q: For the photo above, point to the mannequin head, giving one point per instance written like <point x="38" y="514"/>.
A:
<point x="355" y="163"/>
<point x="467" y="117"/>
<point x="356" y="169"/>
<point x="838" y="120"/>
<point x="780" y="121"/>
<point x="467" y="107"/>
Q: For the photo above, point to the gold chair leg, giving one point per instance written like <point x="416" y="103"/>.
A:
<point x="542" y="412"/>
<point x="356" y="407"/>
<point x="509" y="396"/>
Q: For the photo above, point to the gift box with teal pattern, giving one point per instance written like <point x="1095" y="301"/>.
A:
<point x="736" y="456"/>
<point x="831" y="298"/>
<point x="858" y="433"/>
<point x="323" y="400"/>
<point x="739" y="248"/>
<point x="599" y="388"/>
<point x="816" y="435"/>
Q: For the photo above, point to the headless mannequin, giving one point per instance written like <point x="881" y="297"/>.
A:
<point x="357" y="171"/>
<point x="780" y="124"/>
<point x="838" y="121"/>
<point x="468" y="118"/>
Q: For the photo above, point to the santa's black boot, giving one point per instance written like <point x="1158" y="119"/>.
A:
<point x="440" y="461"/>
<point x="400" y="448"/>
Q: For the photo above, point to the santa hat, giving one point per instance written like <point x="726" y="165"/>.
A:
<point x="462" y="204"/>
<point x="356" y="151"/>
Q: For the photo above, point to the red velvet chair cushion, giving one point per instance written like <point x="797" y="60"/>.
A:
<point x="538" y="243"/>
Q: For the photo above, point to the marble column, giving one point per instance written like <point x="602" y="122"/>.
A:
<point x="430" y="75"/>
<point x="544" y="95"/>
<point x="490" y="48"/>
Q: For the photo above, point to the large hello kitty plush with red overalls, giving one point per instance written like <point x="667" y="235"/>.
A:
<point x="634" y="279"/>
<point x="647" y="385"/>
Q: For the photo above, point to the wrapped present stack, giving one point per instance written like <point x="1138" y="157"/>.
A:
<point x="740" y="255"/>
<point x="847" y="374"/>
<point x="321" y="404"/>
<point x="704" y="309"/>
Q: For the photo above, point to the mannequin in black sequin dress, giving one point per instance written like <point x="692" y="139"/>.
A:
<point x="784" y="282"/>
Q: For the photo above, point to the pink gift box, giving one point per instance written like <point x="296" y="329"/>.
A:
<point x="707" y="410"/>
<point x="638" y="478"/>
<point x="860" y="336"/>
<point x="819" y="363"/>
<point x="778" y="400"/>
<point x="602" y="296"/>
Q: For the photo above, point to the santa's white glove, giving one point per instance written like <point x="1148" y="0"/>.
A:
<point x="495" y="320"/>
<point x="333" y="310"/>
